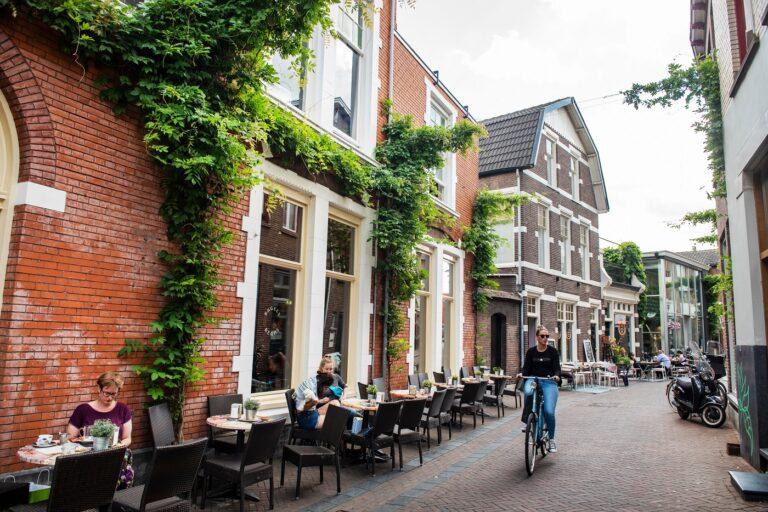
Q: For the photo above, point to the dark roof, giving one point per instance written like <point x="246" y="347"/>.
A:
<point x="512" y="139"/>
<point x="708" y="257"/>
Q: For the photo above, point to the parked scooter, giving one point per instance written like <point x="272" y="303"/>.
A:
<point x="699" y="394"/>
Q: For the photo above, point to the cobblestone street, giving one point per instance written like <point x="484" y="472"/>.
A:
<point x="620" y="450"/>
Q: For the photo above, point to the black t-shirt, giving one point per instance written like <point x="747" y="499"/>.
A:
<point x="542" y="364"/>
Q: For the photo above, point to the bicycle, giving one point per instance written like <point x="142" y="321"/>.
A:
<point x="536" y="435"/>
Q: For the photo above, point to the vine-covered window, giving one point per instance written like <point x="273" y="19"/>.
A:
<point x="289" y="88"/>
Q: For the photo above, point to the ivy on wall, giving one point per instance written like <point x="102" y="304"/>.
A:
<point x="627" y="260"/>
<point x="483" y="242"/>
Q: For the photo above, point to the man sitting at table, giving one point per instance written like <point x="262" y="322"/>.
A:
<point x="315" y="394"/>
<point x="664" y="360"/>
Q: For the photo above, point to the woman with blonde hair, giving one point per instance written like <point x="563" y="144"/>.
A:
<point x="314" y="395"/>
<point x="104" y="407"/>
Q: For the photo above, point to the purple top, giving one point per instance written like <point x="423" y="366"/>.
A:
<point x="85" y="415"/>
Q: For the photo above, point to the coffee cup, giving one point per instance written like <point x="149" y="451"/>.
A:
<point x="44" y="439"/>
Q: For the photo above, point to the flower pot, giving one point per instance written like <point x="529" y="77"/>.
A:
<point x="371" y="398"/>
<point x="250" y="414"/>
<point x="100" y="443"/>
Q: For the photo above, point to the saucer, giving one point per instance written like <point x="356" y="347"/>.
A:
<point x="46" y="445"/>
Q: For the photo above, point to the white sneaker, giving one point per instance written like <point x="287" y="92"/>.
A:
<point x="551" y="446"/>
<point x="523" y="428"/>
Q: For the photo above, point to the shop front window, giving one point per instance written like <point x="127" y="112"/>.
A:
<point x="339" y="278"/>
<point x="448" y="305"/>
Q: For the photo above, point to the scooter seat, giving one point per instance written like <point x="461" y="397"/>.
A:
<point x="684" y="383"/>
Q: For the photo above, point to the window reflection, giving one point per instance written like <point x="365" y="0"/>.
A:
<point x="281" y="230"/>
<point x="340" y="250"/>
<point x="274" y="329"/>
<point x="336" y="323"/>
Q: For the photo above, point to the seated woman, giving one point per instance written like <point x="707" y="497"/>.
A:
<point x="315" y="394"/>
<point x="106" y="407"/>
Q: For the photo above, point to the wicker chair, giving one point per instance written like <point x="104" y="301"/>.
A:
<point x="381" y="385"/>
<point x="161" y="424"/>
<point x="468" y="403"/>
<point x="247" y="468"/>
<point x="439" y="377"/>
<point x="464" y="372"/>
<point x="446" y="417"/>
<point x="362" y="389"/>
<point x="497" y="397"/>
<point x="408" y="427"/>
<point x="431" y="417"/>
<point x="447" y="373"/>
<point x="413" y="380"/>
<point x="82" y="482"/>
<point x="421" y="377"/>
<point x="171" y="473"/>
<point x="516" y="392"/>
<point x="318" y="456"/>
<point x="297" y="432"/>
<point x="381" y="435"/>
<point x="218" y="439"/>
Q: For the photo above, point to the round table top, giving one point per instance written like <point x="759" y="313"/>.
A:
<point x="360" y="404"/>
<point x="498" y="377"/>
<point x="44" y="456"/>
<point x="405" y="394"/>
<point x="224" y="422"/>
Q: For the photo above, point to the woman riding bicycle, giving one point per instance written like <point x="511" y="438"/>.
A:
<point x="542" y="360"/>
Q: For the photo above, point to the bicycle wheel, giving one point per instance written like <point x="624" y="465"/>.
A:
<point x="671" y="394"/>
<point x="531" y="444"/>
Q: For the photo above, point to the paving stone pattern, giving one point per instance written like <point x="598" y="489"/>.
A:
<point x="621" y="450"/>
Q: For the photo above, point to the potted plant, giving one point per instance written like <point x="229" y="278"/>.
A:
<point x="251" y="408"/>
<point x="478" y="374"/>
<point x="497" y="370"/>
<point x="427" y="384"/>
<point x="102" y="432"/>
<point x="371" y="389"/>
<point x="454" y="379"/>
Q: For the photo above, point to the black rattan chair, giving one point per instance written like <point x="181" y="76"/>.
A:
<point x="318" y="456"/>
<point x="413" y="380"/>
<point x="82" y="482"/>
<point x="421" y="377"/>
<point x="218" y="439"/>
<point x="381" y="385"/>
<point x="464" y="372"/>
<point x="497" y="397"/>
<point x="431" y="417"/>
<point x="380" y="435"/>
<point x="161" y="423"/>
<point x="408" y="427"/>
<point x="297" y="432"/>
<point x="439" y="377"/>
<point x="515" y="392"/>
<point x="447" y="373"/>
<point x="467" y="404"/>
<point x="362" y="389"/>
<point x="249" y="467"/>
<point x="171" y="474"/>
<point x="446" y="418"/>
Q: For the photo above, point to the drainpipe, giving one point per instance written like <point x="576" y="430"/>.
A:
<point x="391" y="85"/>
<point x="523" y="318"/>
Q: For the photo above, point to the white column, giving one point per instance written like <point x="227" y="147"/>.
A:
<point x="316" y="226"/>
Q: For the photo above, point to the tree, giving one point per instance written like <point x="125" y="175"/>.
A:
<point x="626" y="259"/>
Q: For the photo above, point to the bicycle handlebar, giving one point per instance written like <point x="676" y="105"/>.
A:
<point x="539" y="378"/>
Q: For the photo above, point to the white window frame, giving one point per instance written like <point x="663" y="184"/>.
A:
<point x="575" y="180"/>
<point x="550" y="157"/>
<point x="542" y="233"/>
<point x="566" y="317"/>
<point x="436" y="100"/>
<point x="584" y="251"/>
<point x="290" y="216"/>
<point x="565" y="245"/>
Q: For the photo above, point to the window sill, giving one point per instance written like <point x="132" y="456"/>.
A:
<point x="750" y="56"/>
<point x="445" y="208"/>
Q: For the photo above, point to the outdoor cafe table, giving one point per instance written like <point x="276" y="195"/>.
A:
<point x="404" y="394"/>
<point x="241" y="426"/>
<point x="44" y="456"/>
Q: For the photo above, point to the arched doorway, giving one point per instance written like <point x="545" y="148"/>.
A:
<point x="498" y="340"/>
<point x="9" y="175"/>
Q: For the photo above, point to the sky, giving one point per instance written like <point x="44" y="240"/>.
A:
<point x="498" y="56"/>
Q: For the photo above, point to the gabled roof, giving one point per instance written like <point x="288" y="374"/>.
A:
<point x="706" y="256"/>
<point x="513" y="143"/>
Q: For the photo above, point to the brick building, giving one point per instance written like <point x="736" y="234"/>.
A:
<point x="550" y="272"/>
<point x="80" y="232"/>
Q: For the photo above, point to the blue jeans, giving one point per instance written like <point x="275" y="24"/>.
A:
<point x="308" y="419"/>
<point x="550" y="392"/>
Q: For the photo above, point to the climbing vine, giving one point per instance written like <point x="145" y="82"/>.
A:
<point x="404" y="185"/>
<point x="196" y="72"/>
<point x="483" y="242"/>
<point x="626" y="260"/>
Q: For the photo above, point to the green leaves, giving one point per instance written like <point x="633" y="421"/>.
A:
<point x="627" y="258"/>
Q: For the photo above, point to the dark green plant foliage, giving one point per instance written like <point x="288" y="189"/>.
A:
<point x="482" y="240"/>
<point x="628" y="259"/>
<point x="196" y="69"/>
<point x="404" y="186"/>
<point x="708" y="218"/>
<point x="718" y="288"/>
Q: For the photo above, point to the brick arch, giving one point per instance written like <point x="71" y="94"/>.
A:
<point x="34" y="126"/>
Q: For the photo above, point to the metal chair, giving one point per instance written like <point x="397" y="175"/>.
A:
<point x="408" y="427"/>
<point x="439" y="377"/>
<point x="431" y="417"/>
<point x="296" y="431"/>
<point x="161" y="424"/>
<point x="497" y="398"/>
<point x="82" y="482"/>
<point x="249" y="467"/>
<point x="468" y="402"/>
<point x="446" y="418"/>
<point x="318" y="456"/>
<point x="380" y="435"/>
<point x="218" y="439"/>
<point x="515" y="392"/>
<point x="171" y="473"/>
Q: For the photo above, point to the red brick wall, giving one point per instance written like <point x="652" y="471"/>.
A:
<point x="410" y="98"/>
<point x="80" y="282"/>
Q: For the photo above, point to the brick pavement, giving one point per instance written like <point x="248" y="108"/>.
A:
<point x="621" y="450"/>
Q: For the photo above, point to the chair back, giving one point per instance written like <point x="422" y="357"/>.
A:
<point x="173" y="470"/>
<point x="381" y="385"/>
<point x="410" y="414"/>
<point x="334" y="425"/>
<point x="498" y="387"/>
<point x="437" y="403"/>
<point x="447" y="373"/>
<point x="464" y="372"/>
<point x="439" y="377"/>
<point x="413" y="380"/>
<point x="161" y="423"/>
<point x="262" y="442"/>
<point x="422" y="377"/>
<point x="85" y="481"/>
<point x="291" y="406"/>
<point x="482" y="386"/>
<point x="362" y="389"/>
<point x="476" y="369"/>
<point x="469" y="395"/>
<point x="450" y="396"/>
<point x="222" y="404"/>
<point x="386" y="418"/>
